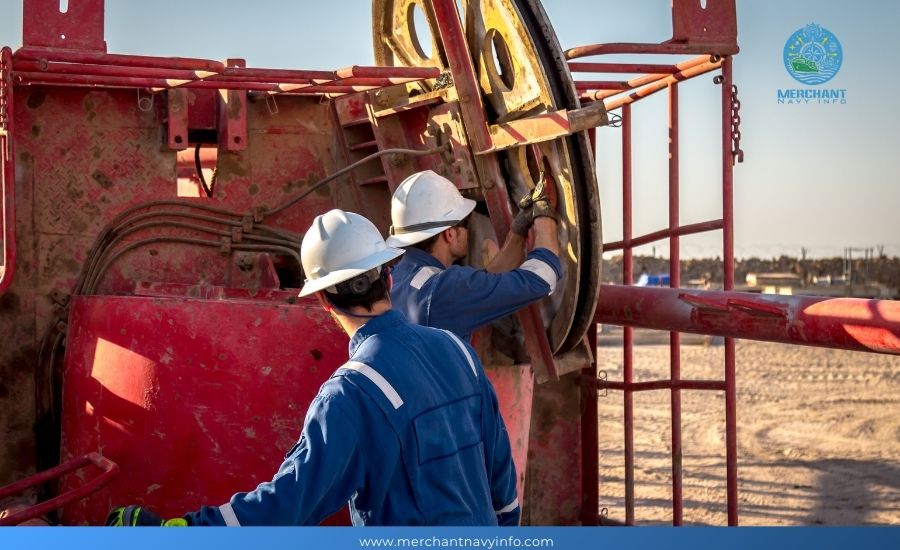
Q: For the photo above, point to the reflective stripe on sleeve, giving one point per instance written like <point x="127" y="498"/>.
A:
<point x="542" y="270"/>
<point x="422" y="276"/>
<point x="376" y="379"/>
<point x="227" y="512"/>
<point x="509" y="507"/>
<point x="465" y="351"/>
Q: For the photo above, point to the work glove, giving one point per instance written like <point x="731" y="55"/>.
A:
<point x="523" y="221"/>
<point x="137" y="516"/>
<point x="541" y="201"/>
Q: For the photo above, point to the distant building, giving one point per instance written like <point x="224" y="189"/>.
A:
<point x="773" y="283"/>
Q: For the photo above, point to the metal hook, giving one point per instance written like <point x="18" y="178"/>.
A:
<point x="271" y="104"/>
<point x="145" y="104"/>
<point x="615" y="120"/>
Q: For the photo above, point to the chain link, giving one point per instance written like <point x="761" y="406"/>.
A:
<point x="736" y="153"/>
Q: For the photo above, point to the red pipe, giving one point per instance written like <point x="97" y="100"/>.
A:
<point x="364" y="76"/>
<point x="230" y="75"/>
<point x="73" y="56"/>
<point x="675" y="282"/>
<point x="701" y="227"/>
<point x="654" y="77"/>
<point x="656" y="85"/>
<point x="664" y="48"/>
<point x="31" y="78"/>
<point x="652" y="385"/>
<point x="842" y="323"/>
<point x="577" y="67"/>
<point x="416" y="73"/>
<point x="728" y="272"/>
<point x="628" y="345"/>
<point x="348" y="81"/>
<point x="601" y="85"/>
<point x="128" y="82"/>
<point x="108" y="468"/>
<point x="276" y="75"/>
<point x="109" y="70"/>
<point x="8" y="161"/>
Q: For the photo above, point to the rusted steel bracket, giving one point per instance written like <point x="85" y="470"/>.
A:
<point x="232" y="108"/>
<point x="229" y="109"/>
<point x="80" y="27"/>
<point x="177" y="119"/>
<point x="108" y="470"/>
<point x="696" y="29"/>
<point x="545" y="127"/>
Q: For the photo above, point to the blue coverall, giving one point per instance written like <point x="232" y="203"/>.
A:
<point x="408" y="431"/>
<point x="461" y="298"/>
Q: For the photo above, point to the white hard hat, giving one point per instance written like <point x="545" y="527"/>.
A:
<point x="424" y="205"/>
<point x="339" y="246"/>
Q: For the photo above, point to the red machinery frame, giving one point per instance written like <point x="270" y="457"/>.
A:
<point x="864" y="325"/>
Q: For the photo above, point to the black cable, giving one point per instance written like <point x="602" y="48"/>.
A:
<point x="206" y="188"/>
<point x="411" y="152"/>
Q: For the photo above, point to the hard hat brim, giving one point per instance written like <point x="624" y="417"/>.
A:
<point x="407" y="239"/>
<point x="370" y="262"/>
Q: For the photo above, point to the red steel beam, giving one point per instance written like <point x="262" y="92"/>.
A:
<point x="855" y="324"/>
<point x="675" y="282"/>
<point x="728" y="274"/>
<point x="628" y="344"/>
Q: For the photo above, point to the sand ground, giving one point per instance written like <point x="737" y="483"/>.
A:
<point x="818" y="436"/>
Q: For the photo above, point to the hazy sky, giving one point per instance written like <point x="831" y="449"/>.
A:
<point x="822" y="177"/>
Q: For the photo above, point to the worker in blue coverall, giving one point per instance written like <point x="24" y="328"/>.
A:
<point x="408" y="431"/>
<point x="429" y="218"/>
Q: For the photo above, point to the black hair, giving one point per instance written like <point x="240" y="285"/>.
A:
<point x="361" y="291"/>
<point x="427" y="244"/>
